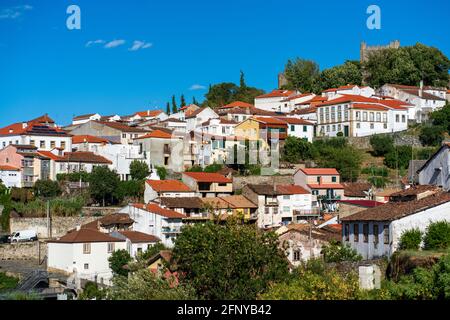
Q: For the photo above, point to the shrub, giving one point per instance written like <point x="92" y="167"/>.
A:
<point x="432" y="135"/>
<point x="215" y="167"/>
<point x="378" y="182"/>
<point x="411" y="239"/>
<point x="437" y="236"/>
<point x="47" y="188"/>
<point x="337" y="252"/>
<point x="91" y="291"/>
<point x="195" y="168"/>
<point x="7" y="282"/>
<point x="139" y="170"/>
<point x="398" y="157"/>
<point x="73" y="177"/>
<point x="425" y="153"/>
<point x="162" y="172"/>
<point x="118" y="260"/>
<point x="376" y="171"/>
<point x="381" y="144"/>
<point x="21" y="194"/>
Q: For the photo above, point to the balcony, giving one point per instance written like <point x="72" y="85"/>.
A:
<point x="307" y="213"/>
<point x="171" y="230"/>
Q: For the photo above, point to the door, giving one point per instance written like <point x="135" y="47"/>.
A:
<point x="346" y="132"/>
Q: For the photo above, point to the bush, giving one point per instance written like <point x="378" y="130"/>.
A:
<point x="425" y="153"/>
<point x="296" y="150"/>
<point x="195" y="168"/>
<point x="47" y="188"/>
<point x="381" y="144"/>
<point x="21" y="194"/>
<point x="376" y="171"/>
<point x="215" y="167"/>
<point x="337" y="252"/>
<point x="118" y="260"/>
<point x="91" y="291"/>
<point x="378" y="182"/>
<point x="411" y="239"/>
<point x="432" y="135"/>
<point x="7" y="282"/>
<point x="139" y="170"/>
<point x="437" y="236"/>
<point x="133" y="189"/>
<point x="398" y="157"/>
<point x="162" y="172"/>
<point x="64" y="207"/>
<point x="73" y="177"/>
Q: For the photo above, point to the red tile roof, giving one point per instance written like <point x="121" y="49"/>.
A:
<point x="139" y="237"/>
<point x="84" y="157"/>
<point x="363" y="203"/>
<point x="320" y="171"/>
<point x="207" y="177"/>
<point x="85" y="235"/>
<point x="84" y="116"/>
<point x="368" y="106"/>
<point x="49" y="154"/>
<point x="88" y="139"/>
<point x="168" y="186"/>
<point x="276" y="94"/>
<point x="269" y="120"/>
<point x="159" y="134"/>
<point x="298" y="96"/>
<point x="148" y="113"/>
<point x="154" y="208"/>
<point x="239" y="104"/>
<point x="4" y="167"/>
<point x="348" y="87"/>
<point x="32" y="128"/>
<point x="290" y="189"/>
<point x="43" y="119"/>
<point x="121" y="127"/>
<point x="295" y="121"/>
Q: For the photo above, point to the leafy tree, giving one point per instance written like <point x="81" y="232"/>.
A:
<point x="103" y="182"/>
<point x="301" y="75"/>
<point x="398" y="157"/>
<point x="242" y="81"/>
<point x="411" y="239"/>
<point x="437" y="235"/>
<point x="346" y="160"/>
<point x="146" y="285"/>
<point x="337" y="252"/>
<point x="431" y="135"/>
<point x="151" y="251"/>
<point x="381" y="144"/>
<point x="297" y="149"/>
<point x="118" y="260"/>
<point x="441" y="118"/>
<point x="162" y="172"/>
<point x="347" y="73"/>
<point x="130" y="189"/>
<point x="174" y="105"/>
<point x="47" y="188"/>
<point x="139" y="170"/>
<point x="318" y="283"/>
<point x="231" y="261"/>
<point x="92" y="291"/>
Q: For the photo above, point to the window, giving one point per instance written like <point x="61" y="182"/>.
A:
<point x="378" y="117"/>
<point x="366" y="232"/>
<point x="86" y="248"/>
<point x="86" y="266"/>
<point x="358" y="115"/>
<point x="42" y="144"/>
<point x="110" y="247"/>
<point x="31" y="142"/>
<point x="52" y="144"/>
<point x="372" y="126"/>
<point x="328" y="128"/>
<point x="403" y="118"/>
<point x="286" y="197"/>
<point x="139" y="250"/>
<point x="267" y="210"/>
<point x="124" y="135"/>
<point x="397" y="118"/>
<point x="375" y="234"/>
<point x="333" y="179"/>
<point x="358" y="125"/>
<point x="334" y="127"/>
<point x="292" y="127"/>
<point x="386" y="233"/>
<point x="372" y="116"/>
<point x="318" y="179"/>
<point x="384" y="117"/>
<point x="346" y="232"/>
<point x="356" y="232"/>
<point x="315" y="192"/>
<point x="305" y="128"/>
<point x="286" y="209"/>
<point x="364" y="116"/>
<point x="297" y="255"/>
<point x="63" y="144"/>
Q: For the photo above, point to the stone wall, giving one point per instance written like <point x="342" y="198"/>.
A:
<point x="23" y="251"/>
<point x="400" y="139"/>
<point x="240" y="182"/>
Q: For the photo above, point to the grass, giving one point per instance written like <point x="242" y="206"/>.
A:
<point x="7" y="282"/>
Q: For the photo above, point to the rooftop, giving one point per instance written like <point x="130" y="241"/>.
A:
<point x="319" y="171"/>
<point x="85" y="235"/>
<point x="139" y="237"/>
<point x="182" y="202"/>
<point x="154" y="208"/>
<point x="207" y="177"/>
<point x="168" y="186"/>
<point x="84" y="157"/>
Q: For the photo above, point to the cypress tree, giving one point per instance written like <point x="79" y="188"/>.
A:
<point x="174" y="105"/>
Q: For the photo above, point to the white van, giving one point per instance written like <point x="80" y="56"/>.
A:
<point x="24" y="236"/>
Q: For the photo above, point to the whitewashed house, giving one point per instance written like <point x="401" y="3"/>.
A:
<point x="155" y="189"/>
<point x="85" y="118"/>
<point x="147" y="115"/>
<point x="218" y="126"/>
<point x="152" y="219"/>
<point x="436" y="171"/>
<point x="349" y="89"/>
<point x="137" y="242"/>
<point x="376" y="232"/>
<point x="10" y="176"/>
<point x="299" y="128"/>
<point x="274" y="101"/>
<point x="199" y="116"/>
<point x="291" y="103"/>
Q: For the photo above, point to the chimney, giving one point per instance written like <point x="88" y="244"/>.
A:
<point x="148" y="112"/>
<point x="24" y="125"/>
<point x="78" y="228"/>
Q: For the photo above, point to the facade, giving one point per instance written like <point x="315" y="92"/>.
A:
<point x="436" y="171"/>
<point x="80" y="161"/>
<point x="299" y="128"/>
<point x="166" y="188"/>
<point x="137" y="242"/>
<point x="273" y="101"/>
<point x="376" y="232"/>
<point x="157" y="115"/>
<point x="280" y="204"/>
<point x="218" y="126"/>
<point x="10" y="176"/>
<point x="85" y="118"/>
<point x="199" y="116"/>
<point x="358" y="116"/>
<point x="348" y="89"/>
<point x="265" y="129"/>
<point x="323" y="183"/>
<point x="152" y="219"/>
<point x="236" y="205"/>
<point x="208" y="184"/>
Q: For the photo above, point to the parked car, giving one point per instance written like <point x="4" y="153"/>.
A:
<point x="4" y="238"/>
<point x="23" y="236"/>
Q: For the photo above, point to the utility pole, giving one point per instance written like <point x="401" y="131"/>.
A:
<point x="49" y="228"/>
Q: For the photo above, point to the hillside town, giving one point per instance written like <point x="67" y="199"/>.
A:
<point x="204" y="164"/>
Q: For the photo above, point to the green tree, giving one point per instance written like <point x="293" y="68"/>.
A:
<point x="118" y="260"/>
<point x="231" y="261"/>
<point x="441" y="118"/>
<point x="102" y="184"/>
<point x="431" y="135"/>
<point x="174" y="105"/>
<point x="215" y="167"/>
<point x="162" y="172"/>
<point x="46" y="188"/>
<point x="399" y="157"/>
<point x="301" y="75"/>
<point x="242" y="84"/>
<point x="146" y="285"/>
<point x="139" y="170"/>
<point x="347" y="73"/>
<point x="297" y="149"/>
<point x="92" y="291"/>
<point x="194" y="101"/>
<point x="3" y="189"/>
<point x="381" y="144"/>
<point x="182" y="101"/>
<point x="168" y="108"/>
<point x="337" y="252"/>
<point x="133" y="189"/>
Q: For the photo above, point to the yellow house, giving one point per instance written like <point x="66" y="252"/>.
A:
<point x="237" y="205"/>
<point x="262" y="128"/>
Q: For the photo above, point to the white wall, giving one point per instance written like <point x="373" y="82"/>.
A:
<point x="299" y="131"/>
<point x="11" y="178"/>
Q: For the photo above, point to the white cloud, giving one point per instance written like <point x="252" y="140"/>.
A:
<point x="137" y="45"/>
<point x="14" y="12"/>
<point x="114" y="44"/>
<point x="197" y="87"/>
<point x="91" y="43"/>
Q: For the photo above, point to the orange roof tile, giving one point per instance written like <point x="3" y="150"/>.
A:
<point x="369" y="106"/>
<point x="83" y="157"/>
<point x="85" y="235"/>
<point x="4" y="167"/>
<point x="295" y="121"/>
<point x="207" y="177"/>
<point x="319" y="171"/>
<point x="88" y="139"/>
<point x="154" y="208"/>
<point x="159" y="134"/>
<point x="276" y="93"/>
<point x="139" y="237"/>
<point x="290" y="189"/>
<point x="239" y="104"/>
<point x="269" y="120"/>
<point x="326" y="186"/>
<point x="49" y="154"/>
<point x="148" y="113"/>
<point x="168" y="186"/>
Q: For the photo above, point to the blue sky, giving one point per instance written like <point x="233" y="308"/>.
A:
<point x="46" y="68"/>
